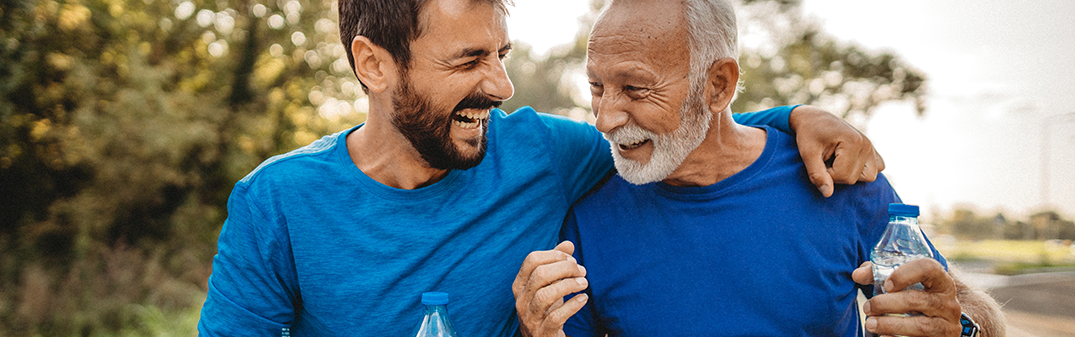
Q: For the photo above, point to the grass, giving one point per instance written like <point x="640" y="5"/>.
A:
<point x="1010" y="257"/>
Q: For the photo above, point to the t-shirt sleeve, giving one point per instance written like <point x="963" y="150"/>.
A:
<point x="252" y="289"/>
<point x="583" y="323"/>
<point x="777" y="118"/>
<point x="581" y="155"/>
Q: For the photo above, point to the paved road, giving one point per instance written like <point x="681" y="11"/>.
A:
<point x="1036" y="305"/>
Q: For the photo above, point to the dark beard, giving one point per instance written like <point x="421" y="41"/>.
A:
<point x="429" y="133"/>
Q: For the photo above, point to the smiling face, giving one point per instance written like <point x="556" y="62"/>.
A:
<point x="455" y="77"/>
<point x="649" y="110"/>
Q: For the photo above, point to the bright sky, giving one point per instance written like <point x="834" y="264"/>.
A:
<point x="1002" y="89"/>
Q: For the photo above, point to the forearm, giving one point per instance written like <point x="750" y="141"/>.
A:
<point x="982" y="308"/>
<point x="777" y="118"/>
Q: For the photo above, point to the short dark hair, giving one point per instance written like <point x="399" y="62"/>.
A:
<point x="390" y="24"/>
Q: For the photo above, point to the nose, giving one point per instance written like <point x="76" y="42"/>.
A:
<point x="496" y="82"/>
<point x="609" y="113"/>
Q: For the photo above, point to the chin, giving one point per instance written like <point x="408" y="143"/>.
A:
<point x="640" y="174"/>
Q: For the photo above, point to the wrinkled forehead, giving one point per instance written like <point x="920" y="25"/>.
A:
<point x="648" y="33"/>
<point x="630" y="25"/>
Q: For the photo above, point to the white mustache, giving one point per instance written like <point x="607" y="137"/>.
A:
<point x="629" y="134"/>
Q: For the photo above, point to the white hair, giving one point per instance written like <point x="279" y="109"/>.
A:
<point x="714" y="35"/>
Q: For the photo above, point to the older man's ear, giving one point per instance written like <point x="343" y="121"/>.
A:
<point x="722" y="78"/>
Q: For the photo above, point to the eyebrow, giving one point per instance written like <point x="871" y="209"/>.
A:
<point x="478" y="52"/>
<point x="624" y="72"/>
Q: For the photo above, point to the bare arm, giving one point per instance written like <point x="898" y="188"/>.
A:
<point x="981" y="307"/>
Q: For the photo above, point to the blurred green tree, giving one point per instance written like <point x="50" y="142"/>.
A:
<point x="124" y="124"/>
<point x="788" y="59"/>
<point x="967" y="225"/>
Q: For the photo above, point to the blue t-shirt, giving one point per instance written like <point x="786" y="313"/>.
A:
<point x="313" y="243"/>
<point x="760" y="253"/>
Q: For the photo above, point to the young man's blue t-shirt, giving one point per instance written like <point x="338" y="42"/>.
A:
<point x="760" y="253"/>
<point x="314" y="244"/>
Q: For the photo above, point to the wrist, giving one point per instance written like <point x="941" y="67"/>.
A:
<point x="968" y="328"/>
<point x="796" y="117"/>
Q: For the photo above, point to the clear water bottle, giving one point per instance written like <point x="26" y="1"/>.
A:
<point x="436" y="322"/>
<point x="902" y="242"/>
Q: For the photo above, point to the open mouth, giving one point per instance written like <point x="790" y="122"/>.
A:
<point x="634" y="145"/>
<point x="469" y="118"/>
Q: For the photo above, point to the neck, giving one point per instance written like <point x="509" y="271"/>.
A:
<point x="384" y="154"/>
<point x="728" y="148"/>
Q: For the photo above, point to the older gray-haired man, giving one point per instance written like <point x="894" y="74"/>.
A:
<point x="711" y="227"/>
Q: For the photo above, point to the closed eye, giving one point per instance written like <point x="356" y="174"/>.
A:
<point x="469" y="65"/>
<point x="503" y="52"/>
<point x="596" y="88"/>
<point x="636" y="92"/>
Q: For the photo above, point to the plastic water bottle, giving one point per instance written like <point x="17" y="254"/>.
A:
<point x="436" y="322"/>
<point x="902" y="242"/>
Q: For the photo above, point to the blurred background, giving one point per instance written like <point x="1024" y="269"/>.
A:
<point x="125" y="123"/>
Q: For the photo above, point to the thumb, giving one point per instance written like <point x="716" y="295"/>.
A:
<point x="566" y="247"/>
<point x="863" y="274"/>
<point x="817" y="171"/>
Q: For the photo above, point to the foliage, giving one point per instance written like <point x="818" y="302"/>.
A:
<point x="1011" y="257"/>
<point x="124" y="124"/>
<point x="546" y="83"/>
<point x="788" y="59"/>
<point x="964" y="223"/>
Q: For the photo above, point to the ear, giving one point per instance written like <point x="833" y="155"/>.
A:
<point x="374" y="66"/>
<point x="721" y="83"/>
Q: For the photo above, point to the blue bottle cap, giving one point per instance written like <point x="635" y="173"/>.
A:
<point x="434" y="298"/>
<point x="902" y="209"/>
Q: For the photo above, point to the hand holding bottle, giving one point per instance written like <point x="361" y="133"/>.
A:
<point x="936" y="302"/>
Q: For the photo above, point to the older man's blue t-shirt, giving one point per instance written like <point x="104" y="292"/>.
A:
<point x="313" y="243"/>
<point x="760" y="253"/>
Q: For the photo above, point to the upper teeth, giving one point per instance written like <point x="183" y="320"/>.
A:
<point x="474" y="114"/>
<point x="633" y="145"/>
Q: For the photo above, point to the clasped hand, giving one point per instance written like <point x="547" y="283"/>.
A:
<point x="937" y="303"/>
<point x="544" y="279"/>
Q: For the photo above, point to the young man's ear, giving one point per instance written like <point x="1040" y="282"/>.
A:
<point x="374" y="66"/>
<point x="721" y="83"/>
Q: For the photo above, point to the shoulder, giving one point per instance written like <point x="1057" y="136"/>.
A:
<point x="610" y="191"/>
<point x="526" y="117"/>
<point x="295" y="161"/>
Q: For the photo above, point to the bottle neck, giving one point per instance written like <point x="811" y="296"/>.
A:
<point x="436" y="322"/>
<point x="903" y="219"/>
<point x="438" y="309"/>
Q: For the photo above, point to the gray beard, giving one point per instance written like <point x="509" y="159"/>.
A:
<point x="669" y="151"/>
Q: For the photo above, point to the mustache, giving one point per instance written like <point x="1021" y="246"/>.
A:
<point x="477" y="101"/>
<point x="628" y="134"/>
